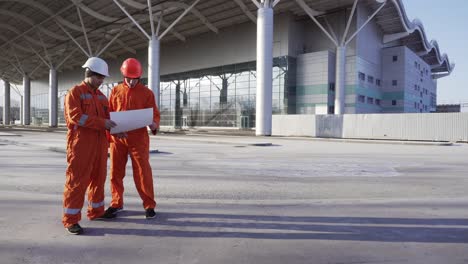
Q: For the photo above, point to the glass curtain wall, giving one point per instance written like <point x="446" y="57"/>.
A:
<point x="222" y="96"/>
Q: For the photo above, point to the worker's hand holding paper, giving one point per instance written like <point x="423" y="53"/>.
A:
<point x="130" y="120"/>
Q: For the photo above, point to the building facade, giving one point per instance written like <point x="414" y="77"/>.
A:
<point x="349" y="57"/>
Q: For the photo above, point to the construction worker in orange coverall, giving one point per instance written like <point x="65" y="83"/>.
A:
<point x="132" y="95"/>
<point x="87" y="118"/>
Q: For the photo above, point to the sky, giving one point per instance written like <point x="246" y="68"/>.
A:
<point x="447" y="22"/>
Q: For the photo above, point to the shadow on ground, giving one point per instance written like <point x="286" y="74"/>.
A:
<point x="170" y="224"/>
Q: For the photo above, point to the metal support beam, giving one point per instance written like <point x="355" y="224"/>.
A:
<point x="32" y="29"/>
<point x="73" y="39"/>
<point x="65" y="59"/>
<point x="20" y="71"/>
<point x="53" y="98"/>
<point x="275" y="3"/>
<point x="178" y="19"/>
<point x="109" y="43"/>
<point x="45" y="48"/>
<point x="312" y="13"/>
<point x="332" y="32"/>
<point x="6" y="103"/>
<point x="35" y="69"/>
<point x="26" y="104"/>
<point x="173" y="31"/>
<point x="366" y="22"/>
<point x="170" y="6"/>
<point x="97" y="15"/>
<point x="90" y="52"/>
<point x="246" y="11"/>
<point x="40" y="57"/>
<point x="13" y="44"/>
<point x="151" y="17"/>
<point x="257" y="4"/>
<point x="132" y="19"/>
<point x="350" y="19"/>
<point x="31" y="23"/>
<point x="160" y="19"/>
<point x="264" y="71"/>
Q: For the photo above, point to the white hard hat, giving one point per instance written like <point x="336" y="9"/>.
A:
<point x="97" y="65"/>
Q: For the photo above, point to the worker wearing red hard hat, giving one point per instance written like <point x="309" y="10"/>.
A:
<point x="132" y="95"/>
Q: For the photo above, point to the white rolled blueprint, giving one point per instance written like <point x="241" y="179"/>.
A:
<point x="131" y="119"/>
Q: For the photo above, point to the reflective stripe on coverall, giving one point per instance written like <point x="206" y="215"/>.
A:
<point x="85" y="114"/>
<point x="136" y="144"/>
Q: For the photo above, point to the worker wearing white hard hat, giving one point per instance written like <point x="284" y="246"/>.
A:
<point x="87" y="117"/>
<point x="97" y="65"/>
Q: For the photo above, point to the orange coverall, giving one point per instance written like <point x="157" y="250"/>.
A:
<point x="136" y="144"/>
<point x="85" y="113"/>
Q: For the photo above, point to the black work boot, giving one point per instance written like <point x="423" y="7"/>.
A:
<point x="110" y="213"/>
<point x="75" y="229"/>
<point x="150" y="213"/>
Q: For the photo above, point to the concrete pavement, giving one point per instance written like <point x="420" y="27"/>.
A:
<point x="225" y="199"/>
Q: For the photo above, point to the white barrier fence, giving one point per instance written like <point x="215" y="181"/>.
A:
<point x="432" y="126"/>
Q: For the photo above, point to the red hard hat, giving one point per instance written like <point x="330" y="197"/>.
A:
<point x="131" y="68"/>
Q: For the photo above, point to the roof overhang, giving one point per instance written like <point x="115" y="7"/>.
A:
<point x="400" y="31"/>
<point x="39" y="34"/>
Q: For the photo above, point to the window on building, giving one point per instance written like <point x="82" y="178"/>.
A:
<point x="416" y="64"/>
<point x="370" y="79"/>
<point x="331" y="87"/>
<point x="370" y="100"/>
<point x="362" y="76"/>
<point x="395" y="58"/>
<point x="331" y="109"/>
<point x="415" y="87"/>
<point x="378" y="82"/>
<point x="393" y="102"/>
<point x="394" y="82"/>
<point x="377" y="101"/>
<point x="361" y="98"/>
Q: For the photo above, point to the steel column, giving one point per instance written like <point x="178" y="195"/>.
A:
<point x="264" y="71"/>
<point x="53" y="98"/>
<point x="26" y="104"/>
<point x="153" y="67"/>
<point x="340" y="80"/>
<point x="6" y="103"/>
